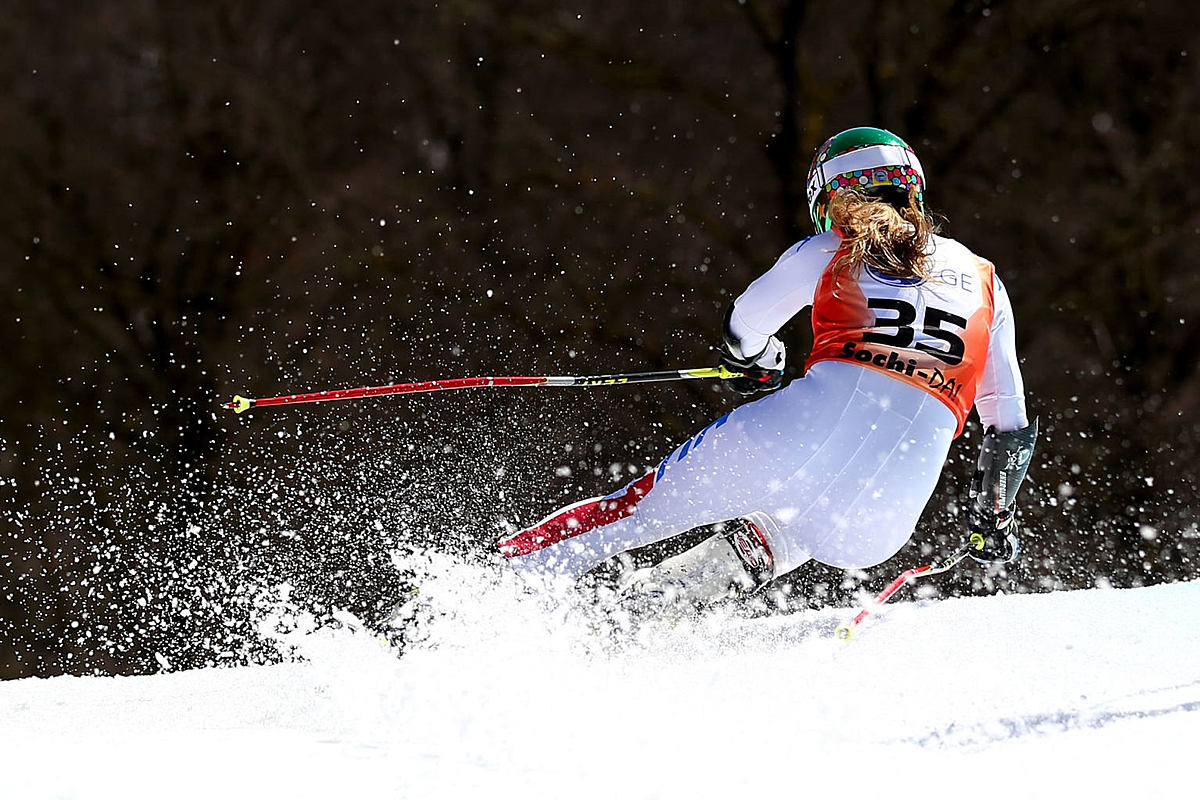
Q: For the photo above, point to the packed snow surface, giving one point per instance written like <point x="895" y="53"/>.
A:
<point x="1071" y="694"/>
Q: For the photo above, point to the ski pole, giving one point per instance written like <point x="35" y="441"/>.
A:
<point x="846" y="631"/>
<point x="240" y="404"/>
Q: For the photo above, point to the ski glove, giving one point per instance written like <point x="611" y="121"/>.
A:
<point x="1001" y="547"/>
<point x="756" y="379"/>
<point x="764" y="370"/>
<point x="992" y="518"/>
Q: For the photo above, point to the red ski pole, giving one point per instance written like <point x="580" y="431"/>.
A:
<point x="846" y="631"/>
<point x="240" y="404"/>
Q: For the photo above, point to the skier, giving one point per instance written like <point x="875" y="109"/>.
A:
<point x="910" y="330"/>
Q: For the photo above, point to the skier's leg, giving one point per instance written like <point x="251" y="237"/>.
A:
<point x="726" y="470"/>
<point x="842" y="460"/>
<point x="690" y="488"/>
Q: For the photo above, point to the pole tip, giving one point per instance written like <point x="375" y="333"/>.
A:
<point x="844" y="633"/>
<point x="239" y="404"/>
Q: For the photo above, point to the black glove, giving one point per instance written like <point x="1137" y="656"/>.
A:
<point x="757" y="379"/>
<point x="999" y="546"/>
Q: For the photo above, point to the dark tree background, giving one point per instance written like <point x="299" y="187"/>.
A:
<point x="201" y="199"/>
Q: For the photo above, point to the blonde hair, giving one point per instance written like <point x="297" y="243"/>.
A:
<point x="875" y="233"/>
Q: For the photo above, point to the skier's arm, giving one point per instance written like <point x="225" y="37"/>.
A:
<point x="771" y="300"/>
<point x="1001" y="398"/>
<point x="1008" y="442"/>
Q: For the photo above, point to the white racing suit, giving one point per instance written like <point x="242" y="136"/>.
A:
<point x="845" y="458"/>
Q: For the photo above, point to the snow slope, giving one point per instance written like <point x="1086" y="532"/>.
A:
<point x="1092" y="693"/>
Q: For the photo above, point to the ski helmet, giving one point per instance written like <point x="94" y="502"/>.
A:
<point x="860" y="158"/>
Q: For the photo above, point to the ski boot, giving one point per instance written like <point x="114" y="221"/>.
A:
<point x="733" y="562"/>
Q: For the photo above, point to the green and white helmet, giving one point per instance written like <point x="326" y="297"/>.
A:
<point x="860" y="158"/>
